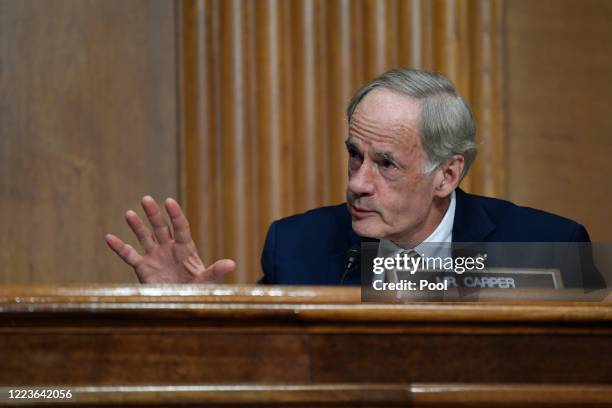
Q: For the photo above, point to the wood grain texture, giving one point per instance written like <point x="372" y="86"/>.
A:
<point x="559" y="99"/>
<point x="447" y="356"/>
<point x="272" y="80"/>
<point x="182" y="356"/>
<point x="181" y="334"/>
<point x="509" y="395"/>
<point x="237" y="108"/>
<point x="344" y="300"/>
<point x="339" y="394"/>
<point x="486" y="84"/>
<point x="87" y="127"/>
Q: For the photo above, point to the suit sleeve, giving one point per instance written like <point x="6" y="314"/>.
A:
<point x="580" y="234"/>
<point x="591" y="277"/>
<point x="268" y="257"/>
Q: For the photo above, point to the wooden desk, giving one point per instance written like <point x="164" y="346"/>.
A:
<point x="161" y="335"/>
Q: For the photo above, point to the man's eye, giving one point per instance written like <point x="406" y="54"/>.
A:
<point x="387" y="164"/>
<point x="354" y="155"/>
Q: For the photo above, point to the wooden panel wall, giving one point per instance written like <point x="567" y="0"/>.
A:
<point x="87" y="126"/>
<point x="237" y="107"/>
<point x="559" y="100"/>
<point x="264" y="86"/>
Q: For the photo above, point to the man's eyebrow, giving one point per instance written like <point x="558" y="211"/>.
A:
<point x="389" y="157"/>
<point x="385" y="155"/>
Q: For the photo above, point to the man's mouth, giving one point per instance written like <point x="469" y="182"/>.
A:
<point x="360" y="212"/>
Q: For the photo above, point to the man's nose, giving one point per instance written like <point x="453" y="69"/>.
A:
<point x="361" y="180"/>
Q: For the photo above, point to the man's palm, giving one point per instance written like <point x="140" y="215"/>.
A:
<point x="166" y="259"/>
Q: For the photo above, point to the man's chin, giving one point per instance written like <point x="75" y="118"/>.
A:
<point x="366" y="228"/>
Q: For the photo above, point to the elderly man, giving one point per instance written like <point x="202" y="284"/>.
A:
<point x="410" y="142"/>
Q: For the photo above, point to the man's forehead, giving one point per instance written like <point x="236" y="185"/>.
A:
<point x="386" y="117"/>
<point x="392" y="107"/>
<point x="391" y="135"/>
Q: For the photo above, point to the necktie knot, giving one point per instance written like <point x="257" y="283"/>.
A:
<point x="410" y="253"/>
<point x="406" y="264"/>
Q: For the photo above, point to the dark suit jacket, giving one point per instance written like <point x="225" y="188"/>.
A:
<point x="311" y="248"/>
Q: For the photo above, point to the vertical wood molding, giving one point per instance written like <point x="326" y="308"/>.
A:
<point x="198" y="177"/>
<point x="486" y="87"/>
<point x="467" y="48"/>
<point x="264" y="90"/>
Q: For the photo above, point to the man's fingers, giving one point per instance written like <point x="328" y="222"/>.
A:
<point x="125" y="251"/>
<point x="160" y="228"/>
<point x="219" y="269"/>
<point x="143" y="234"/>
<point x="182" y="234"/>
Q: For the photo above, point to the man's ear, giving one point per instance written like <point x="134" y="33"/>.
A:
<point x="448" y="175"/>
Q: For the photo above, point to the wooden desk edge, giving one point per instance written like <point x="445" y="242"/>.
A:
<point x="274" y="302"/>
<point x="459" y="394"/>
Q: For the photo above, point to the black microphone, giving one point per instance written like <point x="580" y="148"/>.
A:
<point x="352" y="260"/>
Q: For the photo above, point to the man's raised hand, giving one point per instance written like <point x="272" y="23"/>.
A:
<point x="166" y="259"/>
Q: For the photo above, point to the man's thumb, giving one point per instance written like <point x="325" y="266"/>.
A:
<point x="220" y="268"/>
